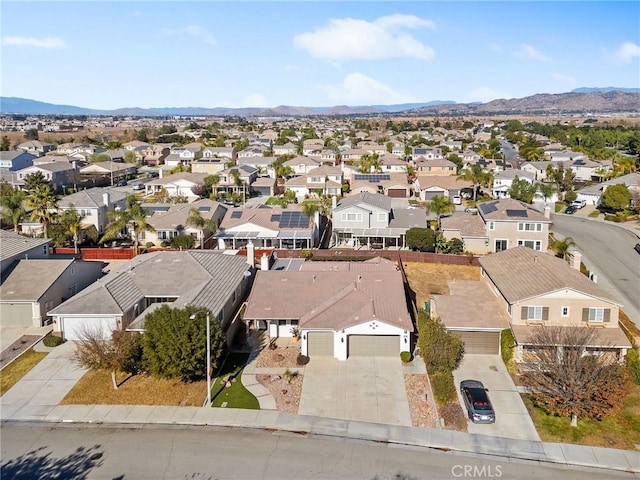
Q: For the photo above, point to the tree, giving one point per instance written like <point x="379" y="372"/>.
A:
<point x="422" y="239"/>
<point x="12" y="203"/>
<point x="455" y="246"/>
<point x="562" y="177"/>
<point x="44" y="201"/>
<point x="195" y="219"/>
<point x="522" y="190"/>
<point x="175" y="345"/>
<point x="130" y="157"/>
<point x="547" y="190"/>
<point x="34" y="180"/>
<point x="92" y="351"/>
<point x="72" y="224"/>
<point x="475" y="175"/>
<point x="211" y="183"/>
<point x="440" y="204"/>
<point x="132" y="218"/>
<point x="99" y="157"/>
<point x="440" y="349"/>
<point x="562" y="247"/>
<point x="616" y="197"/>
<point x="31" y="134"/>
<point x="567" y="380"/>
<point x="182" y="242"/>
<point x="5" y="144"/>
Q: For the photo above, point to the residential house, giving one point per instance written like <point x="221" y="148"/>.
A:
<point x="438" y="166"/>
<point x="393" y="163"/>
<point x="452" y="145"/>
<point x="587" y="170"/>
<point x="502" y="181"/>
<point x="429" y="153"/>
<point x="264" y="165"/>
<point x="367" y="220"/>
<point x="592" y="193"/>
<point x="323" y="180"/>
<point x="311" y="145"/>
<point x="341" y="309"/>
<point x="246" y="175"/>
<point x="539" y="168"/>
<point x="135" y="145"/>
<point x="121" y="300"/>
<point x="470" y="229"/>
<point x="170" y="220"/>
<point x="390" y="184"/>
<point x="219" y="152"/>
<point x="301" y="165"/>
<point x="182" y="184"/>
<point x="16" y="160"/>
<point x="511" y="223"/>
<point x="210" y="166"/>
<point x="153" y="155"/>
<point x="427" y="186"/>
<point x="267" y="227"/>
<point x="93" y="204"/>
<point x="33" y="287"/>
<point x="253" y="151"/>
<point x="108" y="172"/>
<point x="17" y="247"/>
<point x="353" y="155"/>
<point x="539" y="290"/>
<point x="36" y="147"/>
<point x="183" y="155"/>
<point x="285" y="149"/>
<point x="59" y="174"/>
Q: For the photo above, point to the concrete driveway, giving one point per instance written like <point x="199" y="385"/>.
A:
<point x="367" y="389"/>
<point x="512" y="418"/>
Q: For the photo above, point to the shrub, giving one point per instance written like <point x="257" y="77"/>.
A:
<point x="454" y="417"/>
<point x="444" y="390"/>
<point x="52" y="340"/>
<point x="570" y="196"/>
<point x="632" y="362"/>
<point x="302" y="359"/>
<point x="182" y="241"/>
<point x="132" y="362"/>
<point x="149" y="245"/>
<point x="405" y="356"/>
<point x="164" y="244"/>
<point x="507" y="345"/>
<point x="441" y="350"/>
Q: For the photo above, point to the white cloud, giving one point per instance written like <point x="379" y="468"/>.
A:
<point x="47" y="42"/>
<point x="486" y="94"/>
<point x="496" y="47"/>
<point x="349" y="39"/>
<point x="359" y="89"/>
<point x="627" y="51"/>
<point x="527" y="51"/>
<point x="561" y="77"/>
<point x="255" y="100"/>
<point x="194" y="31"/>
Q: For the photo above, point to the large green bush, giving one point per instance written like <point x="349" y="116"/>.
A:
<point x="444" y="390"/>
<point x="52" y="340"/>
<point x="633" y="364"/>
<point x="185" y="242"/>
<point x="507" y="345"/>
<point x="441" y="350"/>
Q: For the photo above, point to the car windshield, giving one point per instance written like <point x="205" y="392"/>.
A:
<point x="480" y="399"/>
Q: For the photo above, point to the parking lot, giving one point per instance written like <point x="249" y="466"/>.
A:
<point x="512" y="418"/>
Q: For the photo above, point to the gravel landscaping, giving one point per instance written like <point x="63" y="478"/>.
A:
<point x="284" y="357"/>
<point x="286" y="392"/>
<point x="422" y="415"/>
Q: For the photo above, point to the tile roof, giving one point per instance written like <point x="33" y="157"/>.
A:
<point x="508" y="209"/>
<point x="30" y="279"/>
<point x="374" y="199"/>
<point x="12" y="244"/>
<point x="448" y="182"/>
<point x="91" y="198"/>
<point x="468" y="225"/>
<point x="602" y="337"/>
<point x="521" y="273"/>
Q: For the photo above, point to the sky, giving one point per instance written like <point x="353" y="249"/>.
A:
<point x="116" y="54"/>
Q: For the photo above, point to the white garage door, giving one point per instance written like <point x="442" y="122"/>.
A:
<point x="485" y="343"/>
<point x="320" y="344"/>
<point x="14" y="314"/>
<point x="74" y="328"/>
<point x="374" y="345"/>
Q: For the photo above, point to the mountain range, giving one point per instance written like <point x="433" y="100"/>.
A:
<point x="581" y="100"/>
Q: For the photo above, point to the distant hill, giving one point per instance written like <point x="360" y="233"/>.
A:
<point x="582" y="100"/>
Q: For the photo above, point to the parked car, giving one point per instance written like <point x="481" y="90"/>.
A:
<point x="138" y="186"/>
<point x="476" y="399"/>
<point x="471" y="210"/>
<point x="578" y="203"/>
<point x="122" y="183"/>
<point x="570" y="210"/>
<point x="457" y="200"/>
<point x="637" y="247"/>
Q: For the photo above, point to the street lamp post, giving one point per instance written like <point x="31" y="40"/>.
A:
<point x="193" y="317"/>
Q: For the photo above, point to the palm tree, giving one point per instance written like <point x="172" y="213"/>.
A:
<point x="13" y="210"/>
<point x="547" y="190"/>
<point x="195" y="219"/>
<point x="376" y="163"/>
<point x="213" y="181"/>
<point x="441" y="204"/>
<point x="562" y="247"/>
<point x="43" y="200"/>
<point x="133" y="218"/>
<point x="72" y="221"/>
<point x="475" y="175"/>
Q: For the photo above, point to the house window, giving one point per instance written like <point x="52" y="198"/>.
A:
<point x="596" y="314"/>
<point x="501" y="245"/>
<point x="534" y="313"/>
<point x="382" y="217"/>
<point x="491" y="225"/>
<point x="351" y="217"/>
<point x="529" y="227"/>
<point x="533" y="244"/>
<point x="565" y="311"/>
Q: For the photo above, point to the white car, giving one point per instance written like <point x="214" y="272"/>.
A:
<point x="579" y="203"/>
<point x="457" y="200"/>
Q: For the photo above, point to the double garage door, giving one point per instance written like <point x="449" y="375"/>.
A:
<point x="321" y="344"/>
<point x="485" y="343"/>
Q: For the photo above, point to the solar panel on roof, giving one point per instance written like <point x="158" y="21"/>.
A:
<point x="488" y="207"/>
<point x="275" y="218"/>
<point x="516" y="213"/>
<point x="236" y="214"/>
<point x="293" y="220"/>
<point x="373" y="178"/>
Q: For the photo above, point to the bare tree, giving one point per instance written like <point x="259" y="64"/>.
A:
<point x="96" y="353"/>
<point x="567" y="379"/>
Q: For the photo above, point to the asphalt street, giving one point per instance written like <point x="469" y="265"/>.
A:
<point x="34" y="450"/>
<point x="609" y="251"/>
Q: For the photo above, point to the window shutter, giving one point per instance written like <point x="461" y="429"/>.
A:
<point x="607" y="314"/>
<point x="585" y="314"/>
<point x="524" y="312"/>
<point x="545" y="313"/>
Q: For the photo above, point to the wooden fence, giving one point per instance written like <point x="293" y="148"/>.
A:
<point x="96" y="253"/>
<point x="395" y="255"/>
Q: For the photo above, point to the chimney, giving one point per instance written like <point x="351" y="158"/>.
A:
<point x="264" y="262"/>
<point x="576" y="259"/>
<point x="547" y="211"/>
<point x="334" y="202"/>
<point x="105" y="199"/>
<point x="251" y="254"/>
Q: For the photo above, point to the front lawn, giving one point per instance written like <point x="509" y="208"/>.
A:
<point x="235" y="395"/>
<point x="95" y="388"/>
<point x="19" y="368"/>
<point x="621" y="429"/>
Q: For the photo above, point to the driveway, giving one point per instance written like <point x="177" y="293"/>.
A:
<point x="48" y="382"/>
<point x="512" y="418"/>
<point x="367" y="389"/>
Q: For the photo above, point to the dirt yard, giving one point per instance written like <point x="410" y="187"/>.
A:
<point x="428" y="278"/>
